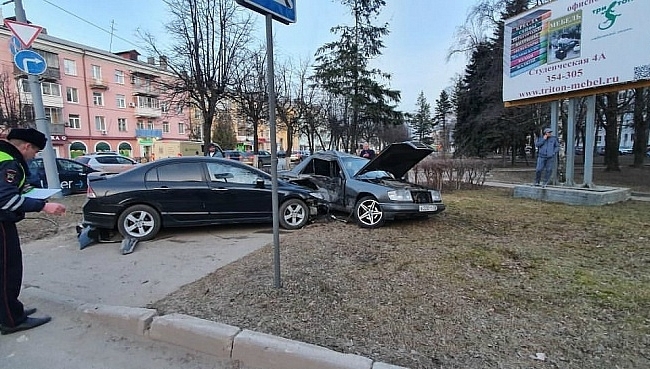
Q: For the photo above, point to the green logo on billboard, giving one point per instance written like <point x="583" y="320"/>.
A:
<point x="610" y="15"/>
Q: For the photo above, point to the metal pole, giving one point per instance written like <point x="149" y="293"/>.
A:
<point x="42" y="124"/>
<point x="590" y="132"/>
<point x="270" y="79"/>
<point x="554" y="124"/>
<point x="570" y="146"/>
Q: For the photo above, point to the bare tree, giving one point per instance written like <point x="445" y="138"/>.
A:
<point x="11" y="109"/>
<point x="207" y="40"/>
<point x="250" y="92"/>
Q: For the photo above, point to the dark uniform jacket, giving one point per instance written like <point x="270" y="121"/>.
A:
<point x="13" y="173"/>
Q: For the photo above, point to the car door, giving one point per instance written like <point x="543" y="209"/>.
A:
<point x="180" y="190"/>
<point x="236" y="194"/>
<point x="73" y="176"/>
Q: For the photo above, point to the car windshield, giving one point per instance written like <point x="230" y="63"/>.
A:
<point x="353" y="164"/>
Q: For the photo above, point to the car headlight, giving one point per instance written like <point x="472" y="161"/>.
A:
<point x="317" y="195"/>
<point x="435" y="196"/>
<point x="400" y="195"/>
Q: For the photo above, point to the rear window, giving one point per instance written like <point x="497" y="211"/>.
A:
<point x="83" y="159"/>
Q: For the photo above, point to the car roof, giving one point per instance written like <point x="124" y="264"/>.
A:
<point x="397" y="158"/>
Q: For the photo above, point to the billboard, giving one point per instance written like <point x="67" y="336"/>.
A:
<point x="572" y="45"/>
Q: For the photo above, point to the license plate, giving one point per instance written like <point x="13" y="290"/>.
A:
<point x="428" y="208"/>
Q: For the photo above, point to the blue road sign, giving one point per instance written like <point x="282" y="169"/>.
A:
<point x="30" y="62"/>
<point x="15" y="45"/>
<point x="281" y="10"/>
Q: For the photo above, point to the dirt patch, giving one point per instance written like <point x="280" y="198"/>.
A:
<point x="37" y="226"/>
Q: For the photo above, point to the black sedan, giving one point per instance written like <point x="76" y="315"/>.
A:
<point x="372" y="190"/>
<point x="192" y="191"/>
<point x="72" y="175"/>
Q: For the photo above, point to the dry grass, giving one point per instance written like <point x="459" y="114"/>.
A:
<point x="490" y="283"/>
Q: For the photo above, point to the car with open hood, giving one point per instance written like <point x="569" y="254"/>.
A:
<point x="192" y="191"/>
<point x="373" y="191"/>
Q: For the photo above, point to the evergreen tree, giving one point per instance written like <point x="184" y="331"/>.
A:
<point x="421" y="121"/>
<point x="443" y="109"/>
<point x="342" y="69"/>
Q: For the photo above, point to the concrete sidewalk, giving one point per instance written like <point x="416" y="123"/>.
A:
<point x="97" y="298"/>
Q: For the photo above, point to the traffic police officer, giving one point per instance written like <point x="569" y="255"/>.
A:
<point x="21" y="146"/>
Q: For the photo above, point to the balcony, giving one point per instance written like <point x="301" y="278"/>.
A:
<point x="148" y="133"/>
<point x="146" y="112"/>
<point x="57" y="129"/>
<point x="98" y="84"/>
<point x="145" y="90"/>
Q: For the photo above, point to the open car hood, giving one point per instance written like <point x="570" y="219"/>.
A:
<point x="398" y="158"/>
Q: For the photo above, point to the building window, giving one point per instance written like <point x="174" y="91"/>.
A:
<point x="100" y="123"/>
<point x="164" y="107"/>
<point x="55" y="115"/>
<point x="165" y="127"/>
<point x="181" y="128"/>
<point x="51" y="89"/>
<point x="148" y="102"/>
<point x="72" y="95"/>
<point x="51" y="59"/>
<point x="121" y="101"/>
<point x="121" y="124"/>
<point x="98" y="98"/>
<point x="70" y="67"/>
<point x="96" y="71"/>
<point x="140" y="124"/>
<point x="119" y="77"/>
<point x="74" y="121"/>
<point x="150" y="124"/>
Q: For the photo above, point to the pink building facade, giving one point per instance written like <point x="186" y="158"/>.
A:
<point x="97" y="100"/>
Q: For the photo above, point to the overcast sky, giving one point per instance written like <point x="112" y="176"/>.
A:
<point x="421" y="32"/>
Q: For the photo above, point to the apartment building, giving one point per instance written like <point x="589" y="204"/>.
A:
<point x="96" y="100"/>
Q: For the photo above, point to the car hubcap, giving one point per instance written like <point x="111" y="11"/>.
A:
<point x="294" y="214"/>
<point x="369" y="212"/>
<point x="139" y="223"/>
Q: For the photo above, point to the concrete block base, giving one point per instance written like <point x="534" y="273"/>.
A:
<point x="597" y="195"/>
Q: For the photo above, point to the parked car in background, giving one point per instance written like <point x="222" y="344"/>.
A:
<point x="232" y="155"/>
<point x="264" y="158"/>
<point x="109" y="162"/>
<point x="372" y="191"/>
<point x="298" y="156"/>
<point x="600" y="150"/>
<point x="72" y="175"/>
<point x="193" y="191"/>
<point x="625" y="150"/>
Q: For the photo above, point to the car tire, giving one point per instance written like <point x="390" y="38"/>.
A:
<point x="368" y="213"/>
<point x="141" y="222"/>
<point x="294" y="214"/>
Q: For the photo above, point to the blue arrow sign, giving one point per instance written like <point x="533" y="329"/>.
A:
<point x="15" y="45"/>
<point x="281" y="10"/>
<point x="30" y="62"/>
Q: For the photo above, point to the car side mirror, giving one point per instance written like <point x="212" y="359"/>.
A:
<point x="259" y="183"/>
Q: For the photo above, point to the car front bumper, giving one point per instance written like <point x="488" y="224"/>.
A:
<point x="394" y="210"/>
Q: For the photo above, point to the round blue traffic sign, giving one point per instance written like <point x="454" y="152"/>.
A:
<point x="30" y="62"/>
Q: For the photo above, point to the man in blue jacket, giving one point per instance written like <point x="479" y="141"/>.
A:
<point x="21" y="146"/>
<point x="547" y="148"/>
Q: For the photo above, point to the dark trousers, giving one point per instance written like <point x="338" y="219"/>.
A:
<point x="544" y="166"/>
<point x="11" y="276"/>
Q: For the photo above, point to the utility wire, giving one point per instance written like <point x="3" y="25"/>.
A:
<point x="91" y="23"/>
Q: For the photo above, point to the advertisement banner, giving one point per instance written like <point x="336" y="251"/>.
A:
<point x="571" y="45"/>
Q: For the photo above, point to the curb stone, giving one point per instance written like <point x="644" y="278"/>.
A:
<point x="226" y="342"/>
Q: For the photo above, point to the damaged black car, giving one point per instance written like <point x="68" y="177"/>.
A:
<point x="371" y="191"/>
